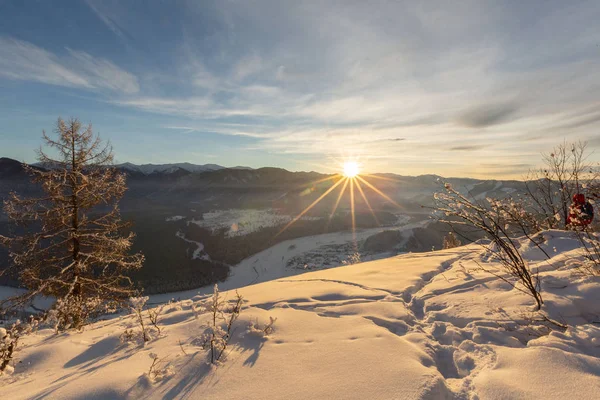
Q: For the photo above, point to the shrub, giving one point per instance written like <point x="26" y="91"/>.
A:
<point x="495" y="219"/>
<point x="74" y="312"/>
<point x="159" y="369"/>
<point x="9" y="339"/>
<point x="590" y="250"/>
<point x="262" y="330"/>
<point x="219" y="329"/>
<point x="451" y="241"/>
<point x="353" y="258"/>
<point x="137" y="307"/>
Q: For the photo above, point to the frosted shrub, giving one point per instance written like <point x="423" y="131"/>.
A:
<point x="262" y="330"/>
<point x="590" y="251"/>
<point x="9" y="338"/>
<point x="73" y="312"/>
<point x="566" y="171"/>
<point x="8" y="346"/>
<point x="128" y="336"/>
<point x="159" y="369"/>
<point x="451" y="241"/>
<point x="175" y="305"/>
<point x="197" y="310"/>
<point x="153" y="317"/>
<point x="219" y="329"/>
<point x="500" y="220"/>
<point x="353" y="258"/>
<point x="137" y="307"/>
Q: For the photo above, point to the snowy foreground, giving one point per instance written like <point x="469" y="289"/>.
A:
<point x="416" y="326"/>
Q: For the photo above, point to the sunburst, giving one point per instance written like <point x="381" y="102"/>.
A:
<point x="351" y="169"/>
<point x="350" y="177"/>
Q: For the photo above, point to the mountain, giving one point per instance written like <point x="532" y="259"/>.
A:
<point x="434" y="325"/>
<point x="12" y="169"/>
<point x="13" y="177"/>
<point x="167" y="168"/>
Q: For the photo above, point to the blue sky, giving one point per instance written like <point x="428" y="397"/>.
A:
<point x="469" y="88"/>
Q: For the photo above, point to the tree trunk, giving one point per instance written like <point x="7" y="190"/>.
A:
<point x="76" y="290"/>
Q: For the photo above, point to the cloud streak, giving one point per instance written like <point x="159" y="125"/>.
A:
<point x="484" y="115"/>
<point x="20" y="60"/>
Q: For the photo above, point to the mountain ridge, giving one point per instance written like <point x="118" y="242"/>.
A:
<point x="190" y="167"/>
<point x="170" y="168"/>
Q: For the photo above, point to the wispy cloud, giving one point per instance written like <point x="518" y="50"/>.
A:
<point x="102" y="73"/>
<point x="468" y="148"/>
<point x="20" y="60"/>
<point x="24" y="61"/>
<point x="487" y="114"/>
<point x="222" y="129"/>
<point x="110" y="23"/>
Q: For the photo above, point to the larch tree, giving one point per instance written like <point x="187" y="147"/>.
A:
<point x="71" y="243"/>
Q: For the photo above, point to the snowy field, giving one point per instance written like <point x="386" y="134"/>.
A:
<point x="323" y="251"/>
<point x="239" y="222"/>
<point x="416" y="326"/>
<point x="281" y="260"/>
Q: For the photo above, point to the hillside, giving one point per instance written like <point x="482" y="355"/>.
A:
<point x="416" y="326"/>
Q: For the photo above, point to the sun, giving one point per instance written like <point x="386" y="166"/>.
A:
<point x="351" y="169"/>
<point x="350" y="181"/>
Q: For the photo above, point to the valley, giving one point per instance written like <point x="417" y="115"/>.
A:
<point x="196" y="227"/>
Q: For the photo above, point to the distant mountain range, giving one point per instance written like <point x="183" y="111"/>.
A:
<point x="148" y="169"/>
<point x="211" y="186"/>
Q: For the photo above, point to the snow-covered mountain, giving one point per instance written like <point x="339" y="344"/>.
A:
<point x="416" y="326"/>
<point x="167" y="168"/>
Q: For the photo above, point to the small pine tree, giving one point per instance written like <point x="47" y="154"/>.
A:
<point x="70" y="244"/>
<point x="451" y="241"/>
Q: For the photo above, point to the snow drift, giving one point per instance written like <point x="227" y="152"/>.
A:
<point x="416" y="326"/>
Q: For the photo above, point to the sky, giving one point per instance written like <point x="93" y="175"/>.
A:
<point x="462" y="88"/>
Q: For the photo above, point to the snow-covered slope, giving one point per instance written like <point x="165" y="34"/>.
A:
<point x="416" y="326"/>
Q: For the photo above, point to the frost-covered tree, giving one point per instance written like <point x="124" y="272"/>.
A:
<point x="70" y="242"/>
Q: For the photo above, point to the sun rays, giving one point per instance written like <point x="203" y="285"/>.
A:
<point x="350" y="180"/>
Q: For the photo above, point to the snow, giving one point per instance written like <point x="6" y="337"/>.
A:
<point x="240" y="222"/>
<point x="174" y="218"/>
<point x="39" y="302"/>
<point x="484" y="194"/>
<point x="274" y="262"/>
<point x="415" y="326"/>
